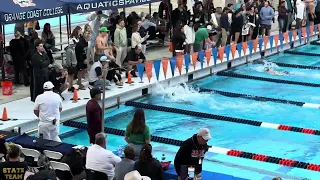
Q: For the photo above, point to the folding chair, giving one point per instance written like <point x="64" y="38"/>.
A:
<point x="61" y="167"/>
<point x="52" y="155"/>
<point x="33" y="154"/>
<point x="94" y="175"/>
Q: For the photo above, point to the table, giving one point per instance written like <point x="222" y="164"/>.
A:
<point x="28" y="142"/>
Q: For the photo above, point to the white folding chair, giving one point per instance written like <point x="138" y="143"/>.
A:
<point x="53" y="155"/>
<point x="31" y="153"/>
<point x="61" y="167"/>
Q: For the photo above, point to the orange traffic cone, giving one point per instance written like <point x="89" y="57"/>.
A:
<point x="129" y="78"/>
<point x="4" y="115"/>
<point x="75" y="97"/>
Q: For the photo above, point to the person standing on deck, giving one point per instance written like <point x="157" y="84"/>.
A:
<point x="47" y="108"/>
<point x="94" y="114"/>
<point x="101" y="44"/>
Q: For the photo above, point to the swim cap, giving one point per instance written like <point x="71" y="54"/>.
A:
<point x="266" y="69"/>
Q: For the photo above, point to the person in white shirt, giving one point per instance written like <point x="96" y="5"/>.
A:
<point x="301" y="14"/>
<point x="190" y="36"/>
<point x="100" y="159"/>
<point x="47" y="108"/>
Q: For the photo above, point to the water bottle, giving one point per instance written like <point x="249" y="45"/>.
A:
<point x="163" y="157"/>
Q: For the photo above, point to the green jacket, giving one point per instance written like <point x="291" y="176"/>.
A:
<point x="120" y="37"/>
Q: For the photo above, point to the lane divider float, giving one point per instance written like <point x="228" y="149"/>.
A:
<point x="225" y="118"/>
<point x="212" y="149"/>
<point x="295" y="66"/>
<point x="301" y="53"/>
<point x="259" y="98"/>
<point x="242" y="76"/>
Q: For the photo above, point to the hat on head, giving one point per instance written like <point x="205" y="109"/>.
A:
<point x="48" y="85"/>
<point x="209" y="27"/>
<point x="104" y="59"/>
<point x="204" y="133"/>
<point x="104" y="29"/>
<point x="135" y="175"/>
<point x="95" y="91"/>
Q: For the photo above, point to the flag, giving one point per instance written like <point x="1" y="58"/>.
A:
<point x="201" y="58"/>
<point x="148" y="66"/>
<point x="227" y="51"/>
<point x="187" y="61"/>
<point x="233" y="50"/>
<point x="140" y="68"/>
<point x="172" y="65"/>
<point x="156" y="65"/>
<point x="244" y="47"/>
<point x="165" y="62"/>
<point x="215" y="55"/>
<point x="250" y="45"/>
<point x="239" y="49"/>
<point x="281" y="40"/>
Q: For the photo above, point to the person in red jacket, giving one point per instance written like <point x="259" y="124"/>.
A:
<point x="94" y="114"/>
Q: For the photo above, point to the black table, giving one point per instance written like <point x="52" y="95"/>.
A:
<point x="31" y="142"/>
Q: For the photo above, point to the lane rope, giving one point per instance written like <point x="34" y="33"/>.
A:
<point x="258" y="98"/>
<point x="212" y="149"/>
<point x="225" y="118"/>
<point x="301" y="53"/>
<point x="295" y="66"/>
<point x="242" y="76"/>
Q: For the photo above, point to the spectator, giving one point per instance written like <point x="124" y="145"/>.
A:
<point x="236" y="26"/>
<point x="82" y="55"/>
<point x="31" y="26"/>
<point x="137" y="132"/>
<point x="190" y="36"/>
<point x="13" y="168"/>
<point x="95" y="21"/>
<point x="76" y="161"/>
<point x="94" y="114"/>
<point x="178" y="40"/>
<point x="18" y="52"/>
<point x="164" y="10"/>
<point x="143" y="33"/>
<point x="100" y="159"/>
<point x="134" y="57"/>
<point x="19" y="27"/>
<point x="201" y="35"/>
<point x="43" y="175"/>
<point x="101" y="44"/>
<point x="120" y="42"/>
<point x="266" y="16"/>
<point x="225" y="26"/>
<point x="126" y="164"/>
<point x="192" y="151"/>
<point x="114" y="73"/>
<point x="282" y="17"/>
<point x="147" y="165"/>
<point x="71" y="62"/>
<point x="97" y="73"/>
<point x="301" y="14"/>
<point x="47" y="108"/>
<point x="40" y="62"/>
<point x="135" y="175"/>
<point x="150" y="27"/>
<point x="48" y="37"/>
<point x="136" y="38"/>
<point x="58" y="77"/>
<point x="179" y="15"/>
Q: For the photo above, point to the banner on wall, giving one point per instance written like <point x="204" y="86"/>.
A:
<point x="156" y="65"/>
<point x="13" y="11"/>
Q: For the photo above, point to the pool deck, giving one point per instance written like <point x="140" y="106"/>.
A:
<point x="22" y="109"/>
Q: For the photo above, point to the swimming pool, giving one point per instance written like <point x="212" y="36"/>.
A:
<point x="283" y="144"/>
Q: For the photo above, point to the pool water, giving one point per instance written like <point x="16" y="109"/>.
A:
<point x="284" y="73"/>
<point x="283" y="144"/>
<point x="308" y="48"/>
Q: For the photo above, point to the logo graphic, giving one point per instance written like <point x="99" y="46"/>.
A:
<point x="24" y="3"/>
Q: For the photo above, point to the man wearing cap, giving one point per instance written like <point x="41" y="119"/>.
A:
<point x="201" y="35"/>
<point x="58" y="77"/>
<point x="101" y="44"/>
<point x="47" y="108"/>
<point x="192" y="151"/>
<point x="71" y="61"/>
<point x="120" y="42"/>
<point x="94" y="114"/>
<point x="97" y="71"/>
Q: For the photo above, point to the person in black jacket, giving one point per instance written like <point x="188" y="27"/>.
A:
<point x="58" y="78"/>
<point x="192" y="151"/>
<point x="179" y="15"/>
<point x="178" y="40"/>
<point x="148" y="165"/>
<point x="40" y="62"/>
<point x="81" y="55"/>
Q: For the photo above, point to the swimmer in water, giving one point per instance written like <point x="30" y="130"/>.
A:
<point x="275" y="72"/>
<point x="184" y="102"/>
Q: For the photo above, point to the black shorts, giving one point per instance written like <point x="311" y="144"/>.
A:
<point x="82" y="66"/>
<point x="72" y="70"/>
